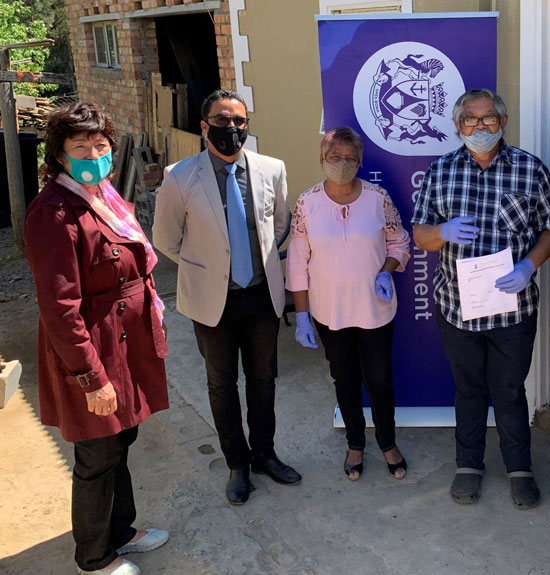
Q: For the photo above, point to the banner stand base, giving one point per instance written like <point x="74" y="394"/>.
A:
<point x="416" y="417"/>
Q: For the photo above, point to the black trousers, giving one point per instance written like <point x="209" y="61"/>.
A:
<point x="496" y="362"/>
<point x="356" y="357"/>
<point x="249" y="325"/>
<point x="103" y="507"/>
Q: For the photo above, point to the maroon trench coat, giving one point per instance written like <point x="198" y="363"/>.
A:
<point x="94" y="298"/>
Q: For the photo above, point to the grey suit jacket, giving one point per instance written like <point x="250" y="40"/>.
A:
<point x="191" y="229"/>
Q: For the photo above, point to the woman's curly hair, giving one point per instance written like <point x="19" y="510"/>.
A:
<point x="68" y="122"/>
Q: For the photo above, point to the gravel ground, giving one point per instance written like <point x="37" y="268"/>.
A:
<point x="18" y="307"/>
<point x="16" y="281"/>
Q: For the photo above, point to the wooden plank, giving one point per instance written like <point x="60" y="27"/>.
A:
<point x="14" y="165"/>
<point x="23" y="101"/>
<point x="30" y="44"/>
<point x="182" y="111"/>
<point x="130" y="181"/>
<point x="132" y="173"/>
<point x="149" y="110"/>
<point x="127" y="158"/>
<point x="120" y="166"/>
<point x="34" y="77"/>
<point x="183" y="145"/>
<point x="156" y="83"/>
<point x="165" y="110"/>
<point x="167" y="140"/>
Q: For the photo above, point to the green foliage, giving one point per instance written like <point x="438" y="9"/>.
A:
<point x="52" y="13"/>
<point x="18" y="24"/>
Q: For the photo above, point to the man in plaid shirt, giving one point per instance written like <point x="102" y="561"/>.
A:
<point x="478" y="200"/>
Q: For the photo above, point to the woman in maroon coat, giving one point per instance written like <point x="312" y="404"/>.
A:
<point x="101" y="343"/>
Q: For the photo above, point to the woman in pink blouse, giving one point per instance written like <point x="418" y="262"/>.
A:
<point x="346" y="240"/>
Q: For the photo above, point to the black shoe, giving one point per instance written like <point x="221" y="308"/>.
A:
<point x="277" y="470"/>
<point x="352" y="471"/>
<point x="466" y="486"/>
<point x="239" y="486"/>
<point x="394" y="467"/>
<point x="524" y="490"/>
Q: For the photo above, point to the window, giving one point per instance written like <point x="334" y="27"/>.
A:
<point x="365" y="9"/>
<point x="106" y="46"/>
<point x="363" y="6"/>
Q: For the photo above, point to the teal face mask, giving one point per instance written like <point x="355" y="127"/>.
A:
<point x="90" y="172"/>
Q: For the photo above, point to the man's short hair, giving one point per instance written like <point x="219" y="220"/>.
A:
<point x="220" y="94"/>
<point x="498" y="102"/>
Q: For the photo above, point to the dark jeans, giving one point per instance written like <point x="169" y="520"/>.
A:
<point x="103" y="507"/>
<point x="494" y="361"/>
<point x="356" y="357"/>
<point x="248" y="324"/>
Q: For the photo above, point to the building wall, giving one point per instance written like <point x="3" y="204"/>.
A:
<point x="284" y="73"/>
<point x="508" y="34"/>
<point x="122" y="91"/>
<point x="285" y="77"/>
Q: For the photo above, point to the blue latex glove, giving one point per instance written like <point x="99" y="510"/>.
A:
<point x="304" y="331"/>
<point x="383" y="286"/>
<point x="460" y="230"/>
<point x="517" y="281"/>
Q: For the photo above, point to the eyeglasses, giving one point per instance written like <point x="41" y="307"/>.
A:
<point x="337" y="159"/>
<point x="472" y="122"/>
<point x="222" y="121"/>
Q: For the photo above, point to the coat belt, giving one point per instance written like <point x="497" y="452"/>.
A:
<point x="127" y="289"/>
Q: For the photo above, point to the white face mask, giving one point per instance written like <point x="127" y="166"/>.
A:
<point x="481" y="142"/>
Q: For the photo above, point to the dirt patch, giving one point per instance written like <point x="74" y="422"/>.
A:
<point x="16" y="281"/>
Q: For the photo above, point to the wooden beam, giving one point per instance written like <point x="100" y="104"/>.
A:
<point x="206" y="6"/>
<point x="31" y="44"/>
<point x="14" y="164"/>
<point x="34" y="77"/>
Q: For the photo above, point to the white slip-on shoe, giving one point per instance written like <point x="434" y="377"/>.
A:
<point x="125" y="568"/>
<point x="151" y="540"/>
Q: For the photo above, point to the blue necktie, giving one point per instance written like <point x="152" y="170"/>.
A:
<point x="241" y="258"/>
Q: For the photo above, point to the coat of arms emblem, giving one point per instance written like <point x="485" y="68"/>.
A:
<point x="403" y="98"/>
<point x="406" y="101"/>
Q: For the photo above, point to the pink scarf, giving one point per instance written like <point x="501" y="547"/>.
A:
<point x="115" y="213"/>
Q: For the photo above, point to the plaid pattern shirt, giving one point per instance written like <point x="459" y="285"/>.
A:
<point x="511" y="201"/>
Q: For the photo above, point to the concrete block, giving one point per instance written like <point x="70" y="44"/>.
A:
<point x="9" y="381"/>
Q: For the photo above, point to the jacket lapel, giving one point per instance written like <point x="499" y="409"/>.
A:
<point x="255" y="177"/>
<point x="81" y="206"/>
<point x="210" y="186"/>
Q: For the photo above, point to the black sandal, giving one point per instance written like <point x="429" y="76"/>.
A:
<point x="393" y="467"/>
<point x="351" y="470"/>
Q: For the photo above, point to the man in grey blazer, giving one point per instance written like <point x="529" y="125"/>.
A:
<point x="219" y="215"/>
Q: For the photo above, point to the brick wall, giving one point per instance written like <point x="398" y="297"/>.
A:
<point x="123" y="91"/>
<point x="222" y="25"/>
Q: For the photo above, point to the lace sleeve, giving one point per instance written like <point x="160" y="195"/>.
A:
<point x="393" y="219"/>
<point x="298" y="223"/>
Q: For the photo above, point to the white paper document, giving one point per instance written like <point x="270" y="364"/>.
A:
<point x="476" y="285"/>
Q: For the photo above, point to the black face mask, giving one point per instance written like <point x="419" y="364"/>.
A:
<point x="229" y="140"/>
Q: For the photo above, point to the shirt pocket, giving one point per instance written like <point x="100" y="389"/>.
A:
<point x="106" y="269"/>
<point x="191" y="263"/>
<point x="513" y="212"/>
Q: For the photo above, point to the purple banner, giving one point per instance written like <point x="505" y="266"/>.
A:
<point x="395" y="81"/>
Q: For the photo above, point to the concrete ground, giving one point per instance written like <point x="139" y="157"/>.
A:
<point x="327" y="525"/>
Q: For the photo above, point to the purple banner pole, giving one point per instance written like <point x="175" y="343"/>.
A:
<point x="394" y="79"/>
